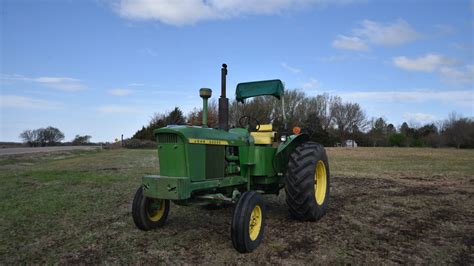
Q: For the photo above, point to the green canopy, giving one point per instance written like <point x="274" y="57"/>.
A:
<point x="257" y="88"/>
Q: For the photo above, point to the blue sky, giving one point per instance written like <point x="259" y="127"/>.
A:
<point x="102" y="67"/>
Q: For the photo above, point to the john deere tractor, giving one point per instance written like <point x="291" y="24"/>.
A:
<point x="202" y="165"/>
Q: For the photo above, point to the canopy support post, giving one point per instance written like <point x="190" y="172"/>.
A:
<point x="283" y="112"/>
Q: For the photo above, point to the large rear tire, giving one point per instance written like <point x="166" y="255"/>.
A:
<point x="307" y="182"/>
<point x="248" y="222"/>
<point x="149" y="213"/>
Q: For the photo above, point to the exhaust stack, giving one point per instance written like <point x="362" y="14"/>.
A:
<point x="223" y="102"/>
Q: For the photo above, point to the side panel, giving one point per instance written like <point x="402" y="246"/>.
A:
<point x="263" y="159"/>
<point x="246" y="155"/>
<point x="171" y="154"/>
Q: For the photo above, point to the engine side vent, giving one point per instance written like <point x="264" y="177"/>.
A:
<point x="215" y="161"/>
<point x="167" y="138"/>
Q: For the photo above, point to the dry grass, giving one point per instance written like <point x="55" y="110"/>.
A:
<point x="388" y="205"/>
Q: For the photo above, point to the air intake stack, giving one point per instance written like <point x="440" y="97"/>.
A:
<point x="223" y="102"/>
<point x="205" y="94"/>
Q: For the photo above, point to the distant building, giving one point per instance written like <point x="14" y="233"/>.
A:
<point x="350" y="143"/>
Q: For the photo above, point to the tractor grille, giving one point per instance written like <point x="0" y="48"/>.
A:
<point x="215" y="159"/>
<point x="167" y="138"/>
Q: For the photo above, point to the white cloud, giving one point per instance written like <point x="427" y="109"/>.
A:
<point x="193" y="11"/>
<point x="351" y="57"/>
<point x="58" y="83"/>
<point x="443" y="65"/>
<point x="445" y="29"/>
<point x="7" y="78"/>
<point x="117" y="109"/>
<point x="290" y="68"/>
<point x="149" y="51"/>
<point x="419" y="117"/>
<point x="169" y="12"/>
<point x="136" y="84"/>
<point x="20" y="102"/>
<point x="311" y="84"/>
<point x="427" y="63"/>
<point x="460" y="97"/>
<point x="389" y="34"/>
<point x="465" y="75"/>
<point x="350" y="43"/>
<point x="120" y="92"/>
<point x="464" y="47"/>
<point x="61" y="83"/>
<point x="373" y="32"/>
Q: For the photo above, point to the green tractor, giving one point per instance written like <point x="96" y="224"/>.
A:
<point x="202" y="165"/>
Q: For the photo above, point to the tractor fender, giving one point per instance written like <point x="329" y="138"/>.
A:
<point x="285" y="149"/>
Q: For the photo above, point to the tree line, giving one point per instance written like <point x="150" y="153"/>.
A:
<point x="328" y="120"/>
<point x="49" y="136"/>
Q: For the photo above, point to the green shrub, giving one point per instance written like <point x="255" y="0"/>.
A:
<point x="416" y="143"/>
<point x="397" y="139"/>
<point x="139" y="144"/>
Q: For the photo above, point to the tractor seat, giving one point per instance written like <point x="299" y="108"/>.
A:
<point x="264" y="135"/>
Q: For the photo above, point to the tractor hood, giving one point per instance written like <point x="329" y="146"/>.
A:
<point x="205" y="135"/>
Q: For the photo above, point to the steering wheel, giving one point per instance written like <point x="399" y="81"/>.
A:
<point x="248" y="125"/>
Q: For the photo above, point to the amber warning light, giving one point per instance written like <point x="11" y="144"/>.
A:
<point x="296" y="130"/>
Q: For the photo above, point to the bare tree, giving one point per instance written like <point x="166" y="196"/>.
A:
<point x="157" y="119"/>
<point x="379" y="132"/>
<point x="42" y="136"/>
<point x="320" y="106"/>
<point x="347" y="117"/>
<point x="296" y="107"/>
<point x="458" y="131"/>
<point x="195" y="116"/>
<point x="81" y="140"/>
<point x="50" y="136"/>
<point x="30" y="137"/>
<point x="260" y="108"/>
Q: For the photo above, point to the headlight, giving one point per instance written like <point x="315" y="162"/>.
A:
<point x="283" y="138"/>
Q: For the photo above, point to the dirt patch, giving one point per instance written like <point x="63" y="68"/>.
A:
<point x="87" y="256"/>
<point x="444" y="215"/>
<point x="416" y="191"/>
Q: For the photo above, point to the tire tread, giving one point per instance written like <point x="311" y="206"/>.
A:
<point x="299" y="182"/>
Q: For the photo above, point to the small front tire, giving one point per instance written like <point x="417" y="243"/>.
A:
<point x="149" y="213"/>
<point x="248" y="222"/>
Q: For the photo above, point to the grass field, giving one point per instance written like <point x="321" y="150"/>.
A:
<point x="387" y="205"/>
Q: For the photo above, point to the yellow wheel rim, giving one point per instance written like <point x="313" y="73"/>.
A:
<point x="156" y="209"/>
<point x="320" y="182"/>
<point x="255" y="222"/>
